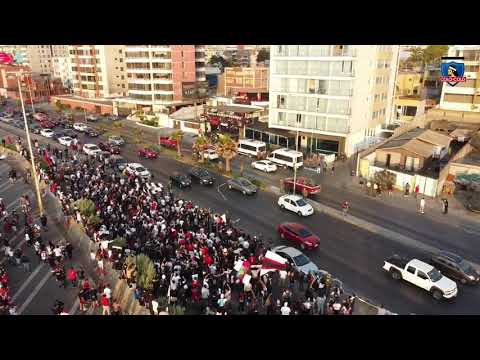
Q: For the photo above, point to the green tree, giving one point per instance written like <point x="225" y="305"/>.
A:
<point x="59" y="106"/>
<point x="216" y="59"/>
<point x="145" y="272"/>
<point x="263" y="55"/>
<point x="85" y="206"/>
<point x="199" y="146"/>
<point x="385" y="179"/>
<point x="178" y="136"/>
<point x="227" y="149"/>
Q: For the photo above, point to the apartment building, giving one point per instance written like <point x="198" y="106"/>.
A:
<point x="38" y="57"/>
<point x="464" y="96"/>
<point x="336" y="96"/>
<point x="62" y="69"/>
<point x="98" y="71"/>
<point x="163" y="77"/>
<point x="248" y="82"/>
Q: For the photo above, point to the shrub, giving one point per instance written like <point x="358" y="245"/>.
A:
<point x="145" y="272"/>
<point x="150" y="122"/>
<point x="117" y="124"/>
<point x="119" y="241"/>
<point x="85" y="206"/>
<point x="385" y="179"/>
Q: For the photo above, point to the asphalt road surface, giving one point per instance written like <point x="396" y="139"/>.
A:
<point x="350" y="253"/>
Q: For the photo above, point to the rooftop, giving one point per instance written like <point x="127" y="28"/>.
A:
<point x="471" y="159"/>
<point x="188" y="113"/>
<point x="83" y="99"/>
<point x="236" y="108"/>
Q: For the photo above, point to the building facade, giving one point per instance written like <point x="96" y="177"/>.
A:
<point x="160" y="77"/>
<point x="98" y="71"/>
<point x="464" y="96"/>
<point x="251" y="82"/>
<point x="336" y="96"/>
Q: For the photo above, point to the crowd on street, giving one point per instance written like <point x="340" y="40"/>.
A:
<point x="196" y="252"/>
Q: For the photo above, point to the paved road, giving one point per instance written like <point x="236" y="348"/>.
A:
<point x="35" y="292"/>
<point x="349" y="252"/>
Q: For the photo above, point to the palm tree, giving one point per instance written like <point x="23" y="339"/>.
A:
<point x="178" y="136"/>
<point x="199" y="146"/>
<point x="227" y="149"/>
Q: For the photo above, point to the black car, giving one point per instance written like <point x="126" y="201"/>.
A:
<point x="91" y="132"/>
<point x="201" y="176"/>
<point x="181" y="180"/>
<point x="66" y="124"/>
<point x="70" y="133"/>
<point x="58" y="134"/>
<point x="455" y="267"/>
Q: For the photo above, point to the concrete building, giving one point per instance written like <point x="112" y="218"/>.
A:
<point x="38" y="57"/>
<point x="98" y="71"/>
<point x="42" y="86"/>
<point x="249" y="82"/>
<point x="162" y="77"/>
<point x="464" y="96"/>
<point x="62" y="69"/>
<point x="337" y="96"/>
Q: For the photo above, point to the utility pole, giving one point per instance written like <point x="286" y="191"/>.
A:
<point x="32" y="158"/>
<point x="295" y="158"/>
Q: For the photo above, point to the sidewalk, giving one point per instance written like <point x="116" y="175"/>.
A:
<point x="342" y="180"/>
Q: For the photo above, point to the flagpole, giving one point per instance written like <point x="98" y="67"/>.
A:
<point x="32" y="158"/>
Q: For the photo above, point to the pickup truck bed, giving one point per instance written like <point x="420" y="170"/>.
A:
<point x="398" y="261"/>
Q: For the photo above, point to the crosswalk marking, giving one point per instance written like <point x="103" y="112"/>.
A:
<point x="34" y="293"/>
<point x="29" y="279"/>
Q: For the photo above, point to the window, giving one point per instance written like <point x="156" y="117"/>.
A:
<point x="116" y="59"/>
<point x="123" y="86"/>
<point x="121" y="60"/>
<point x="299" y="118"/>
<point x="121" y="69"/>
<point x="422" y="275"/>
<point x="120" y="51"/>
<point x="123" y="77"/>
<point x="411" y="270"/>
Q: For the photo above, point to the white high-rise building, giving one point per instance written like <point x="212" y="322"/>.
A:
<point x="464" y="96"/>
<point x="337" y="96"/>
<point x="38" y="57"/>
<point x="98" y="71"/>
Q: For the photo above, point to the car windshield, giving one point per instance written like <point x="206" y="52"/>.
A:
<point x="301" y="203"/>
<point x="466" y="267"/>
<point x="140" y="169"/>
<point x="203" y="173"/>
<point x="301" y="260"/>
<point x="304" y="233"/>
<point x="245" y="182"/>
<point x="434" y="275"/>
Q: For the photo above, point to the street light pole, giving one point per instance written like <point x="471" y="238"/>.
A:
<point x="295" y="161"/>
<point x="32" y="158"/>
<point x="31" y="97"/>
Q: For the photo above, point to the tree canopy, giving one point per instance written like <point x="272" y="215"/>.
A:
<point x="431" y="55"/>
<point x="263" y="55"/>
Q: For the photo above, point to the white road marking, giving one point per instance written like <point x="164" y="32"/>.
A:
<point x="34" y="293"/>
<point x="29" y="279"/>
<point x="218" y="190"/>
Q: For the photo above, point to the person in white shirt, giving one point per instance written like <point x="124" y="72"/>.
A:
<point x="285" y="310"/>
<point x="108" y="292"/>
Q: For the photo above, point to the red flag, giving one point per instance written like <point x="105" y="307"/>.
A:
<point x="47" y="159"/>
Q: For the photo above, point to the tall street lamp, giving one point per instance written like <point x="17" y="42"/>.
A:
<point x="299" y="120"/>
<point x="32" y="158"/>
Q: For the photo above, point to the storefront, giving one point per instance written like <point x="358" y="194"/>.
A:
<point x="230" y="118"/>
<point x="274" y="137"/>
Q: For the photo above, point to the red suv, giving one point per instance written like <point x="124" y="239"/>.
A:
<point x="167" y="142"/>
<point x="298" y="234"/>
<point x="46" y="124"/>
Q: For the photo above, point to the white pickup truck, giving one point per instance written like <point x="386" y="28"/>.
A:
<point x="422" y="275"/>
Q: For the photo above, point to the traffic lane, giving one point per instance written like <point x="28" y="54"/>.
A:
<point x="429" y="231"/>
<point x="442" y="235"/>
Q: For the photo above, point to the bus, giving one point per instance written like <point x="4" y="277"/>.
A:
<point x="251" y="147"/>
<point x="287" y="158"/>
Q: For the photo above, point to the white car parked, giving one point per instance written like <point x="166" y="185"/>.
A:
<point x="91" y="149"/>
<point x="264" y="165"/>
<point x="65" y="140"/>
<point x="138" y="170"/>
<point x="210" y="154"/>
<point x="80" y="127"/>
<point x="47" y="133"/>
<point x="296" y="204"/>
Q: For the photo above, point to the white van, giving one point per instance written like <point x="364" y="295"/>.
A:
<point x="286" y="157"/>
<point x="251" y="147"/>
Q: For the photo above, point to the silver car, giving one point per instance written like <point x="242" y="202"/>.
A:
<point x="296" y="259"/>
<point x="242" y="184"/>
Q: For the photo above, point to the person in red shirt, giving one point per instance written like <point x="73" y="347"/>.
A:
<point x="105" y="304"/>
<point x="86" y="284"/>
<point x="72" y="276"/>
